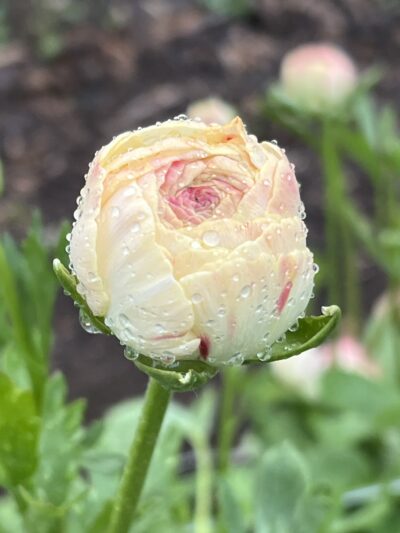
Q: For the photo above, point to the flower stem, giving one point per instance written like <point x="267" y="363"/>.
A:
<point x="134" y="475"/>
<point x="226" y="419"/>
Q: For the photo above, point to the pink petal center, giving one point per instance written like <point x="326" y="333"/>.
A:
<point x="189" y="203"/>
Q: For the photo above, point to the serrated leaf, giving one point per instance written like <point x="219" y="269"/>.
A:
<point x="19" y="430"/>
<point x="60" y="442"/>
<point x="311" y="332"/>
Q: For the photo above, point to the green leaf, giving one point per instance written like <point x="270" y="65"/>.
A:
<point x="19" y="430"/>
<point x="60" y="442"/>
<point x="69" y="284"/>
<point x="280" y="490"/>
<point x="231" y="518"/>
<point x="311" y="332"/>
<point x="28" y="292"/>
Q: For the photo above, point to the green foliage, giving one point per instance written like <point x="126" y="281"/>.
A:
<point x="280" y="490"/>
<point x="28" y="291"/>
<point x="19" y="431"/>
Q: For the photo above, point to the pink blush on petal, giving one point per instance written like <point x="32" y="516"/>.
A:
<point x="283" y="298"/>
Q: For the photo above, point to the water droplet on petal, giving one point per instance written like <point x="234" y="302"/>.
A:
<point x="263" y="356"/>
<point x="237" y="359"/>
<point x="86" y="323"/>
<point x="135" y="227"/>
<point x="245" y="292"/>
<point x="196" y="298"/>
<point x="211" y="238"/>
<point x="115" y="212"/>
<point x="167" y="358"/>
<point x="131" y="353"/>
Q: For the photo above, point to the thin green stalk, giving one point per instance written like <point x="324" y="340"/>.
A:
<point x="134" y="475"/>
<point x="227" y="418"/>
<point x="203" y="506"/>
<point x="352" y="297"/>
<point x="332" y="195"/>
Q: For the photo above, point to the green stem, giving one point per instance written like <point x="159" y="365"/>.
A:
<point x="332" y="194"/>
<point x="134" y="475"/>
<point x="203" y="506"/>
<point x="226" y="419"/>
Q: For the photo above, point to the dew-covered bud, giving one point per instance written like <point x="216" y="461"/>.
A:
<point x="305" y="372"/>
<point x="211" y="111"/>
<point x="318" y="75"/>
<point x="190" y="242"/>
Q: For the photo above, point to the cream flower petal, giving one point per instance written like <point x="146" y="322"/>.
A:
<point x="148" y="308"/>
<point x="237" y="304"/>
<point x="83" y="242"/>
<point x="190" y="242"/>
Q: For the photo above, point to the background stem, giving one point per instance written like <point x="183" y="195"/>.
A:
<point x="226" y="419"/>
<point x="134" y="475"/>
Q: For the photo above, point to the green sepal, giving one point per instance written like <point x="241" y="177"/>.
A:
<point x="69" y="283"/>
<point x="310" y="333"/>
<point x="183" y="376"/>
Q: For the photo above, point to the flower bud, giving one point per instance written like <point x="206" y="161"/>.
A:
<point x="189" y="241"/>
<point x="305" y="372"/>
<point x="317" y="75"/>
<point x="211" y="111"/>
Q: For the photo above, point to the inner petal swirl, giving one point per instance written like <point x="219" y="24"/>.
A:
<point x="193" y="204"/>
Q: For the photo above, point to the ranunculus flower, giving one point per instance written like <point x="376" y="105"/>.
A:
<point x="305" y="371"/>
<point x="317" y="75"/>
<point x="211" y="111"/>
<point x="189" y="240"/>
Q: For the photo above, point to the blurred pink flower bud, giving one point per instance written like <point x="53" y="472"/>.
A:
<point x="211" y="111"/>
<point x="350" y="355"/>
<point x="304" y="372"/>
<point x="318" y="75"/>
<point x="189" y="240"/>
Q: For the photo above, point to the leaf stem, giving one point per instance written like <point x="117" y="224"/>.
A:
<point x="134" y="475"/>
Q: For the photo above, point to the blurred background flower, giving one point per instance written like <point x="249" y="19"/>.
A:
<point x="318" y="75"/>
<point x="211" y="111"/>
<point x="306" y="371"/>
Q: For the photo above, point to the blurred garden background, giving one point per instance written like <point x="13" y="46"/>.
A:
<point x="72" y="75"/>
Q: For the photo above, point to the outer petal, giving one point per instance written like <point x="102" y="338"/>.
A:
<point x="148" y="309"/>
<point x="238" y="306"/>
<point x="83" y="254"/>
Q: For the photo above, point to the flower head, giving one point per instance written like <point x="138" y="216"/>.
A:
<point x="189" y="240"/>
<point x="318" y="75"/>
<point x="211" y="111"/>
